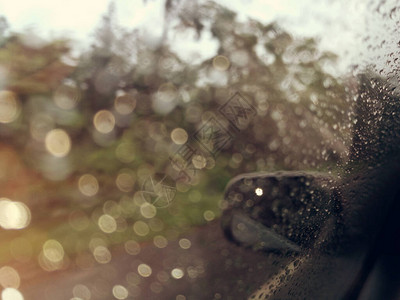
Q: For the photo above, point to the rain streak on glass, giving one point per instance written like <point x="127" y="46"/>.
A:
<point x="9" y="107"/>
<point x="104" y="121"/>
<point x="58" y="143"/>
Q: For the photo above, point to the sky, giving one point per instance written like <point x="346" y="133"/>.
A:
<point x="339" y="24"/>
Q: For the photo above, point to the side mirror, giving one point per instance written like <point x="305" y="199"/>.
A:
<point x="335" y="228"/>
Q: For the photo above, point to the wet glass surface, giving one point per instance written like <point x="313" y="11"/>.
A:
<point x="199" y="150"/>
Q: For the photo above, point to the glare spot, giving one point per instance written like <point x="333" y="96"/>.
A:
<point x="9" y="107"/>
<point x="120" y="292"/>
<point x="88" y="185"/>
<point x="179" y="136"/>
<point x="125" y="104"/>
<point x="132" y="247"/>
<point x="160" y="241"/>
<point x="259" y="191"/>
<point x="9" y="277"/>
<point x="66" y="96"/>
<point x="148" y="210"/>
<point x="221" y="63"/>
<point x="104" y="121"/>
<point x="144" y="270"/>
<point x="102" y="255"/>
<point x="14" y="215"/>
<point x="11" y="294"/>
<point x="177" y="273"/>
<point x="141" y="228"/>
<point x="209" y="215"/>
<point x="180" y="297"/>
<point x="58" y="142"/>
<point x="185" y="243"/>
<point x="107" y="223"/>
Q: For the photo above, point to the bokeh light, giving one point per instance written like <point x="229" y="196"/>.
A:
<point x="120" y="292"/>
<point x="209" y="215"/>
<point x="53" y="251"/>
<point x="185" y="243"/>
<point x="9" y="277"/>
<point x="221" y="63"/>
<point x="102" y="255"/>
<point x="125" y="181"/>
<point x="125" y="104"/>
<point x="165" y="99"/>
<point x="179" y="136"/>
<point x="148" y="210"/>
<point x="104" y="121"/>
<point x="144" y="270"/>
<point x="88" y="185"/>
<point x="160" y="241"/>
<point x="141" y="228"/>
<point x="9" y="107"/>
<point x="107" y="223"/>
<point x="177" y="273"/>
<point x="58" y="142"/>
<point x="52" y="256"/>
<point x="13" y="214"/>
<point x="81" y="291"/>
<point x="11" y="294"/>
<point x="132" y="247"/>
<point x="67" y="96"/>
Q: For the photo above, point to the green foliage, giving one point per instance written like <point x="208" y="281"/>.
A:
<point x="300" y="108"/>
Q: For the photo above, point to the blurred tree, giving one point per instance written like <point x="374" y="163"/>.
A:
<point x="144" y="92"/>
